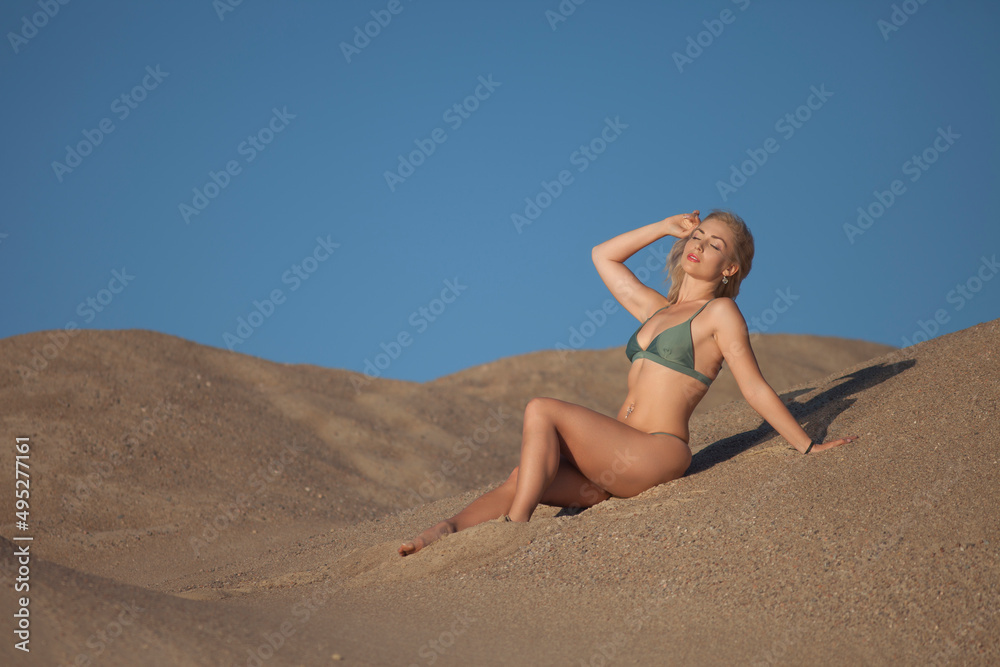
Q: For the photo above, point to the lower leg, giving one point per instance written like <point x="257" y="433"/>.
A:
<point x="539" y="463"/>
<point x="569" y="488"/>
<point x="491" y="505"/>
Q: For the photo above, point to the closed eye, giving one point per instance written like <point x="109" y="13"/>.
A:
<point x="698" y="238"/>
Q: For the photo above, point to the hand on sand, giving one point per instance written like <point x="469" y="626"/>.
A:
<point x="834" y="443"/>
<point x="683" y="224"/>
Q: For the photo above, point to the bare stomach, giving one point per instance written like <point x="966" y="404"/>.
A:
<point x="660" y="399"/>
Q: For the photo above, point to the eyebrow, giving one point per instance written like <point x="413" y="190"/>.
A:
<point x="712" y="236"/>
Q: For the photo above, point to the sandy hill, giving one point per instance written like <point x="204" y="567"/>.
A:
<point x="195" y="506"/>
<point x="597" y="378"/>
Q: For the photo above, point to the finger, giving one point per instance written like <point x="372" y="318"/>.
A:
<point x="841" y="441"/>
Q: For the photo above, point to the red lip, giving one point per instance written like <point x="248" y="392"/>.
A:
<point x="693" y="258"/>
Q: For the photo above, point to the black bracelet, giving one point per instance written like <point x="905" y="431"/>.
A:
<point x="811" y="443"/>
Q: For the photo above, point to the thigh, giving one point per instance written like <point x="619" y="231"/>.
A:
<point x="620" y="459"/>
<point x="571" y="489"/>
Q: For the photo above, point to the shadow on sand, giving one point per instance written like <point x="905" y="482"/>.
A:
<point x="815" y="415"/>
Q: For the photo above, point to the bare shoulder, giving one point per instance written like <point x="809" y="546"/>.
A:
<point x="729" y="328"/>
<point x="725" y="314"/>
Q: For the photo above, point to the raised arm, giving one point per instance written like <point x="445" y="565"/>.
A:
<point x="609" y="259"/>
<point x="734" y="341"/>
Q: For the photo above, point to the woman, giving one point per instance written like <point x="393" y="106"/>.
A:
<point x="574" y="457"/>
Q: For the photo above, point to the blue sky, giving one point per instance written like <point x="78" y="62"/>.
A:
<point x="174" y="166"/>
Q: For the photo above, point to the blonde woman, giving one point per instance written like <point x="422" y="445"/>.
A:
<point x="572" y="456"/>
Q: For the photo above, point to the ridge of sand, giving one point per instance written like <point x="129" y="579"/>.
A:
<point x="154" y="442"/>
<point x="598" y="378"/>
<point x="880" y="552"/>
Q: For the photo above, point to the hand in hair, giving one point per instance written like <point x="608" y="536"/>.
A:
<point x="682" y="225"/>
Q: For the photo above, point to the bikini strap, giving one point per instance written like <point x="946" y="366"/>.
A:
<point x="701" y="309"/>
<point x="664" y="308"/>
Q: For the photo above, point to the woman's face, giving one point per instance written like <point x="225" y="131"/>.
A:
<point x="709" y="251"/>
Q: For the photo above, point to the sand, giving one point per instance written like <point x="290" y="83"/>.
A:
<point x="193" y="506"/>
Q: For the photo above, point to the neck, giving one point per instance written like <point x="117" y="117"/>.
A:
<point x="695" y="290"/>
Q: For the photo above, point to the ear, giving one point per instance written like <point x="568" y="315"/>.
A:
<point x="731" y="270"/>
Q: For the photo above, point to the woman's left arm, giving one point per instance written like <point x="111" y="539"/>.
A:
<point x="734" y="341"/>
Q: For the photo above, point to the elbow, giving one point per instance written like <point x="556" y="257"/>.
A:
<point x="751" y="400"/>
<point x="754" y="394"/>
<point x="597" y="255"/>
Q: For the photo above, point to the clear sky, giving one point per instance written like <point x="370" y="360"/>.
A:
<point x="436" y="173"/>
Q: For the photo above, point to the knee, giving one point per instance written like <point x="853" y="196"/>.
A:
<point x="537" y="409"/>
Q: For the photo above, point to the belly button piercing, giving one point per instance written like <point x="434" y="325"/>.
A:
<point x="629" y="410"/>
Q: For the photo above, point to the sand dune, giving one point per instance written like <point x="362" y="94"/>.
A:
<point x="597" y="378"/>
<point x="204" y="507"/>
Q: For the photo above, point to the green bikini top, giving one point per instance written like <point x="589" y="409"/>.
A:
<point x="673" y="348"/>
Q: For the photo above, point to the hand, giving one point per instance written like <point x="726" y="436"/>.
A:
<point x="681" y="225"/>
<point x="834" y="443"/>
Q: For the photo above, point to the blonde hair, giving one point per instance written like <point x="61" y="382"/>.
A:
<point x="741" y="253"/>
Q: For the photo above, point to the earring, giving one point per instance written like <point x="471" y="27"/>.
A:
<point x="725" y="280"/>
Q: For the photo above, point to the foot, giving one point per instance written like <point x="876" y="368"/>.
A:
<point x="432" y="534"/>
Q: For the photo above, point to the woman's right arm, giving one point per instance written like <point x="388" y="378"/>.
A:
<point x="609" y="258"/>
